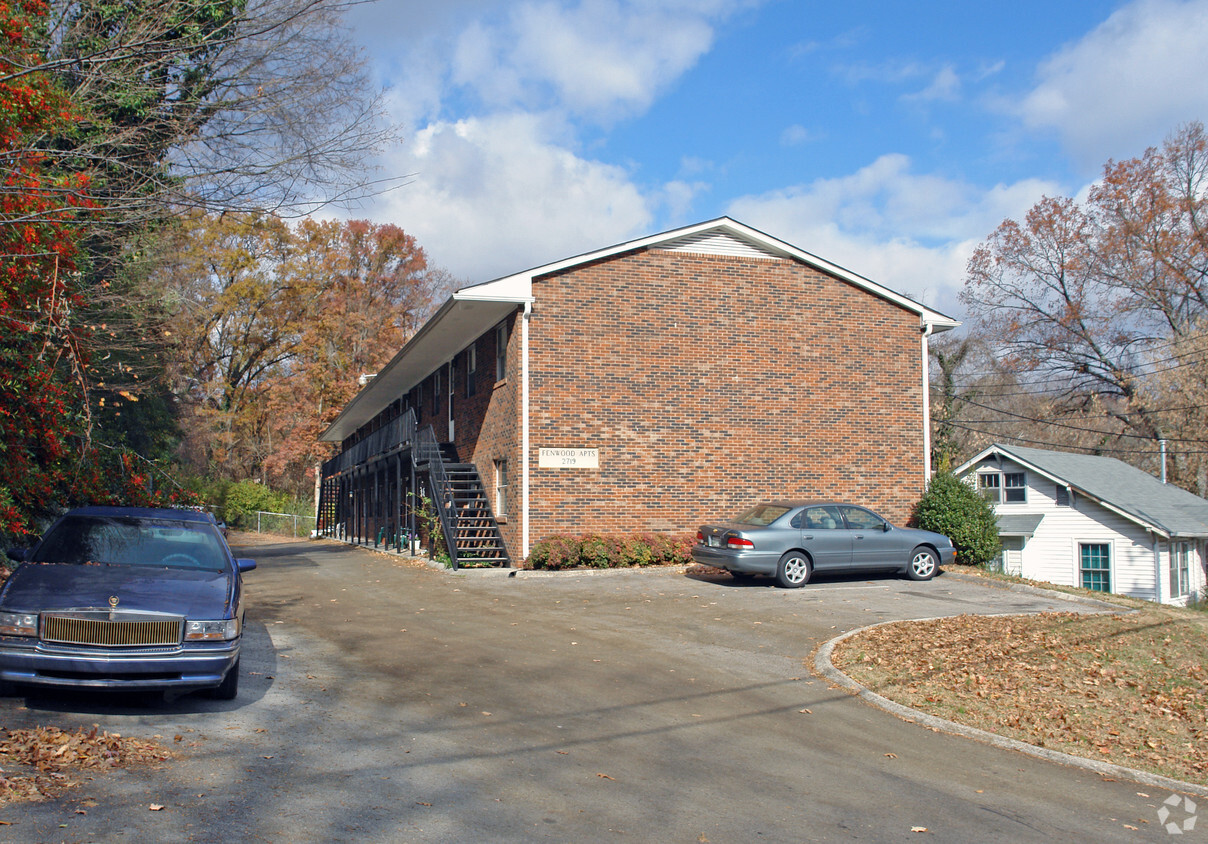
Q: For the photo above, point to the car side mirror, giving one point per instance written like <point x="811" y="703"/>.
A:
<point x="886" y="526"/>
<point x="18" y="554"/>
<point x="245" y="564"/>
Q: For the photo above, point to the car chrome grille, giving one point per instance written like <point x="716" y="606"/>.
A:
<point x="127" y="630"/>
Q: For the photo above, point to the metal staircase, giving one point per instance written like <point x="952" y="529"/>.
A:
<point x="472" y="534"/>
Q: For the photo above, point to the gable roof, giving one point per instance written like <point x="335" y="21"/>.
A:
<point x="1135" y="494"/>
<point x="474" y="309"/>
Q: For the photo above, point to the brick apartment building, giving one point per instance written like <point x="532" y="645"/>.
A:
<point x="647" y="386"/>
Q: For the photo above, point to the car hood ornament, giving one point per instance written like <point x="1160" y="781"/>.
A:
<point x="113" y="602"/>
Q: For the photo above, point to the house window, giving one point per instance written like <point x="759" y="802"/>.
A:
<point x="1062" y="496"/>
<point x="1094" y="560"/>
<point x="501" y="487"/>
<point x="1180" y="569"/>
<point x="1014" y="487"/>
<point x="501" y="352"/>
<point x="436" y="392"/>
<point x="471" y="369"/>
<point x="990" y="486"/>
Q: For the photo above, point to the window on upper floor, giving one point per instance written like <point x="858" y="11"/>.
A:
<point x="1003" y="487"/>
<point x="1014" y="487"/>
<point x="501" y="352"/>
<point x="471" y="364"/>
<point x="989" y="484"/>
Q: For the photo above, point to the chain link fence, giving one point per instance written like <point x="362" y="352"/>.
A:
<point x="284" y="524"/>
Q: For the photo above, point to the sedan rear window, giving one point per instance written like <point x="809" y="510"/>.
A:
<point x="762" y="514"/>
<point x="132" y="542"/>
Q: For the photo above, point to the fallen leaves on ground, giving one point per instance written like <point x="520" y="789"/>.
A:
<point x="54" y="755"/>
<point x="1128" y="689"/>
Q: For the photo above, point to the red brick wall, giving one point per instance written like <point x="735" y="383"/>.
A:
<point x="708" y="383"/>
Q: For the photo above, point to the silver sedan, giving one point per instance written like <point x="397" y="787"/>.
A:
<point x="790" y="540"/>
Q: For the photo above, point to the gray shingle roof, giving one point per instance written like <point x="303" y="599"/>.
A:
<point x="1168" y="508"/>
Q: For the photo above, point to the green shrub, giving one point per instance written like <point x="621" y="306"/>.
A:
<point x="952" y="507"/>
<point x="243" y="499"/>
<point x="599" y="552"/>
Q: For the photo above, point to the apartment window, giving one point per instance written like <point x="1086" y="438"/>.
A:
<point x="471" y="369"/>
<point x="1014" y="487"/>
<point x="501" y="487"/>
<point x="1094" y="560"/>
<point x="501" y="352"/>
<point x="989" y="484"/>
<point x="1180" y="569"/>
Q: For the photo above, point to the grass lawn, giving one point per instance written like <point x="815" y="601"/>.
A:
<point x="1128" y="688"/>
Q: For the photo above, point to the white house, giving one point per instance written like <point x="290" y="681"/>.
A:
<point x="1094" y="522"/>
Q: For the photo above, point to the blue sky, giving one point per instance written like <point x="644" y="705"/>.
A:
<point x="890" y="138"/>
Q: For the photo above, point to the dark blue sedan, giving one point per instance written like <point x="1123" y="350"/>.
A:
<point x="125" y="598"/>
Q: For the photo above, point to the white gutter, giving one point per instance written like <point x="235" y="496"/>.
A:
<point x="524" y="427"/>
<point x="927" y="329"/>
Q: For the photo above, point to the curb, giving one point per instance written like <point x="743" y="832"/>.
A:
<point x="824" y="666"/>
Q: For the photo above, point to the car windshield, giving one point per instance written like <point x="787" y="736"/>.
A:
<point x="132" y="541"/>
<point x="762" y="514"/>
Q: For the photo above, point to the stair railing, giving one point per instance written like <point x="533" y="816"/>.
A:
<point x="427" y="450"/>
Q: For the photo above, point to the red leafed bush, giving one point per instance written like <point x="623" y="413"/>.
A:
<point x="599" y="551"/>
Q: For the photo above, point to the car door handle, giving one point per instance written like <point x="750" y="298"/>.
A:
<point x="809" y="536"/>
<point x="861" y="536"/>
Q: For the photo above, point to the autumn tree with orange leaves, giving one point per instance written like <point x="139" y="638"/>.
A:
<point x="1102" y="308"/>
<point x="273" y="327"/>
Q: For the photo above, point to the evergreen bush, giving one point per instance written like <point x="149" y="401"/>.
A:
<point x="952" y="507"/>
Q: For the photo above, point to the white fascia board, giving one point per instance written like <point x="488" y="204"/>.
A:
<point x="520" y="285"/>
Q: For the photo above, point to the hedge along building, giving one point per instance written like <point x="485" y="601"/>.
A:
<point x="644" y="387"/>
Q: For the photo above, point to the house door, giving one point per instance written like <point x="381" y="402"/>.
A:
<point x="1012" y="555"/>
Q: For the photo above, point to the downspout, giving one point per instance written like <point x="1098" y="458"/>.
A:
<point x="524" y="428"/>
<point x="927" y="329"/>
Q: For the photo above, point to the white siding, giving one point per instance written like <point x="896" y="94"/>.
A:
<point x="718" y="243"/>
<point x="1051" y="554"/>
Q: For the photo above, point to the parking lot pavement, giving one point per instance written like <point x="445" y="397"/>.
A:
<point x="386" y="701"/>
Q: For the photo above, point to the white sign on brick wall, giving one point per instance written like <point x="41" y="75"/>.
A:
<point x="568" y="458"/>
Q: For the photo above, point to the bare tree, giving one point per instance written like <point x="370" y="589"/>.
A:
<point x="219" y="103"/>
<point x="1093" y="302"/>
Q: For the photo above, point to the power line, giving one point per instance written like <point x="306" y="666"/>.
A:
<point x="1062" y="446"/>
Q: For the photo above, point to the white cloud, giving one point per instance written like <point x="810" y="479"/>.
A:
<point x="600" y="59"/>
<point x="945" y="86"/>
<point x="913" y="233"/>
<point x="796" y="135"/>
<point x="493" y="196"/>
<point x="1127" y="83"/>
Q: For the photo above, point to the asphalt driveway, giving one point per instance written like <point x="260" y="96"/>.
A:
<point x="386" y="701"/>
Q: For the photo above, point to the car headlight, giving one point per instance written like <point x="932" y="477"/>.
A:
<point x="212" y="631"/>
<point x="18" y="624"/>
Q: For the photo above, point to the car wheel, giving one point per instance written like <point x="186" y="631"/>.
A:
<point x="923" y="564"/>
<point x="793" y="570"/>
<point x="230" y="685"/>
